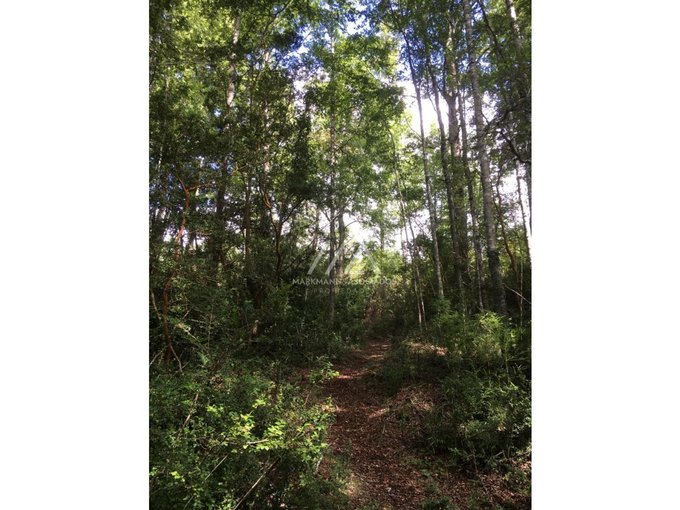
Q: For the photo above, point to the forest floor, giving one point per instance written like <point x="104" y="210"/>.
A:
<point x="384" y="468"/>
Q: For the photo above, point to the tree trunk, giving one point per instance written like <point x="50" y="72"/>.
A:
<point x="420" y="304"/>
<point x="519" y="95"/>
<point x="504" y="237"/>
<point x="450" y="90"/>
<point x="332" y="192"/>
<point x="428" y="190"/>
<point x="487" y="190"/>
<point x="517" y="40"/>
<point x="428" y="196"/>
<point x="331" y="273"/>
<point x="230" y="92"/>
<point x="342" y="231"/>
<point x="457" y="266"/>
<point x="524" y="82"/>
<point x="476" y="242"/>
<point x="527" y="230"/>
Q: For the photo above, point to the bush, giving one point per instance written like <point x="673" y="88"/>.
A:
<point x="213" y="435"/>
<point x="439" y="503"/>
<point x="397" y="369"/>
<point x="484" y="414"/>
<point x="483" y="420"/>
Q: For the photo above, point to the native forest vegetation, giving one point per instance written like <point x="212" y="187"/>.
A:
<point x="340" y="254"/>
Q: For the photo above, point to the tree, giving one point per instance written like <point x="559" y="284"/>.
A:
<point x="487" y="191"/>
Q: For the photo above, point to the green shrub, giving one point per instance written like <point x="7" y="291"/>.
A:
<point x="444" y="323"/>
<point x="484" y="414"/>
<point x="438" y="503"/>
<point x="397" y="369"/>
<point x="323" y="371"/>
<point x="483" y="419"/>
<point x="213" y="435"/>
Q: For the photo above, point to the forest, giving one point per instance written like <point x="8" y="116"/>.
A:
<point x="340" y="210"/>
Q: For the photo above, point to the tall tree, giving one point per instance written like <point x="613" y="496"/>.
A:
<point x="487" y="190"/>
<point x="416" y="79"/>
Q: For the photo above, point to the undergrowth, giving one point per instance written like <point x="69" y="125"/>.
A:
<point x="214" y="434"/>
<point x="481" y="371"/>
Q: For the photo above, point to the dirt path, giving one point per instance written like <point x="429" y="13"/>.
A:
<point x="386" y="469"/>
<point x="377" y="453"/>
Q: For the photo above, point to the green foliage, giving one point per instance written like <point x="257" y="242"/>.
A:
<point x="323" y="371"/>
<point x="409" y="363"/>
<point x="212" y="434"/>
<point x="479" y="500"/>
<point x="483" y="420"/>
<point x="436" y="501"/>
<point x="483" y="417"/>
<point x="371" y="506"/>
<point x="439" y="503"/>
<point x="445" y="319"/>
<point x="397" y="370"/>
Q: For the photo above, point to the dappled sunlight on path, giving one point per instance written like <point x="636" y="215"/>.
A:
<point x="373" y="444"/>
<point x="386" y="468"/>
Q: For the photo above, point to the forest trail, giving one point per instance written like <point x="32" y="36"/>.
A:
<point x="378" y="455"/>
